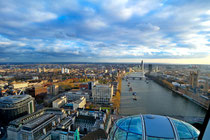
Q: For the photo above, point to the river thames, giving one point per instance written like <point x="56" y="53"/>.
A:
<point x="155" y="99"/>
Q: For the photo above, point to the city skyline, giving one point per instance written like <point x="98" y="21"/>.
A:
<point x="157" y="31"/>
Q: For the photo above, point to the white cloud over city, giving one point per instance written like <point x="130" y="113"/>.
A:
<point x="97" y="31"/>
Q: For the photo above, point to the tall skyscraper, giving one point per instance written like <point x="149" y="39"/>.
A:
<point x="142" y="65"/>
<point x="150" y="68"/>
<point x="62" y="70"/>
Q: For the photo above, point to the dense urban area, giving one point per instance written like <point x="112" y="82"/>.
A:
<point x="82" y="101"/>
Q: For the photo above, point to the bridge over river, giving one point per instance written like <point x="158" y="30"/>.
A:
<point x="155" y="99"/>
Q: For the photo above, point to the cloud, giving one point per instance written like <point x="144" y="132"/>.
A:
<point x="99" y="30"/>
<point x="95" y="23"/>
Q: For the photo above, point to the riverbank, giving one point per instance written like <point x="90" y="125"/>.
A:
<point x="186" y="94"/>
<point x="116" y="98"/>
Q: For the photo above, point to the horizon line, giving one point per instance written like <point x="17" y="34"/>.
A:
<point x="103" y="62"/>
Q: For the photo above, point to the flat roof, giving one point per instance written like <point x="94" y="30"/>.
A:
<point x="13" y="99"/>
<point x="38" y="121"/>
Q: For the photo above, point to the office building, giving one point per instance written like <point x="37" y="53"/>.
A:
<point x="102" y="94"/>
<point x="35" y="126"/>
<point x="149" y="127"/>
<point x="64" y="70"/>
<point x="53" y="89"/>
<point x="59" y="102"/>
<point x="36" y="90"/>
<point x="115" y="87"/>
<point x="80" y="103"/>
<point x="142" y="65"/>
<point x="150" y="68"/>
<point x="77" y="95"/>
<point x="12" y="107"/>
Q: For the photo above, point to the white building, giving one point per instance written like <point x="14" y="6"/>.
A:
<point x="20" y="85"/>
<point x="59" y="102"/>
<point x="102" y="94"/>
<point x="64" y="70"/>
<point x="78" y="103"/>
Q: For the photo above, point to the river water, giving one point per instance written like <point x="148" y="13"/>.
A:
<point x="155" y="99"/>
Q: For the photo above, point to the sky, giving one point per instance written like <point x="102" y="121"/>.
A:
<point x="157" y="31"/>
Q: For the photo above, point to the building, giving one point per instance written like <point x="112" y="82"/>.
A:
<point x="150" y="68"/>
<point x="80" y="103"/>
<point x="102" y="94"/>
<point x="62" y="135"/>
<point x="36" y="90"/>
<point x="35" y="126"/>
<point x="64" y="70"/>
<point x="90" y="120"/>
<point x="12" y="107"/>
<point x="59" y="102"/>
<point x="149" y="127"/>
<point x="64" y="129"/>
<point x="206" y="86"/>
<point x="194" y="79"/>
<point x="83" y="86"/>
<point x="19" y="85"/>
<point x="44" y="70"/>
<point x="35" y="78"/>
<point x="77" y="95"/>
<point x="40" y="90"/>
<point x="115" y="87"/>
<point x="91" y="84"/>
<point x="142" y="66"/>
<point x="39" y="70"/>
<point x="53" y="89"/>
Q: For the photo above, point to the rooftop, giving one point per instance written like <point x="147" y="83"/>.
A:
<point x="30" y="117"/>
<point x="13" y="99"/>
<point x="37" y="121"/>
